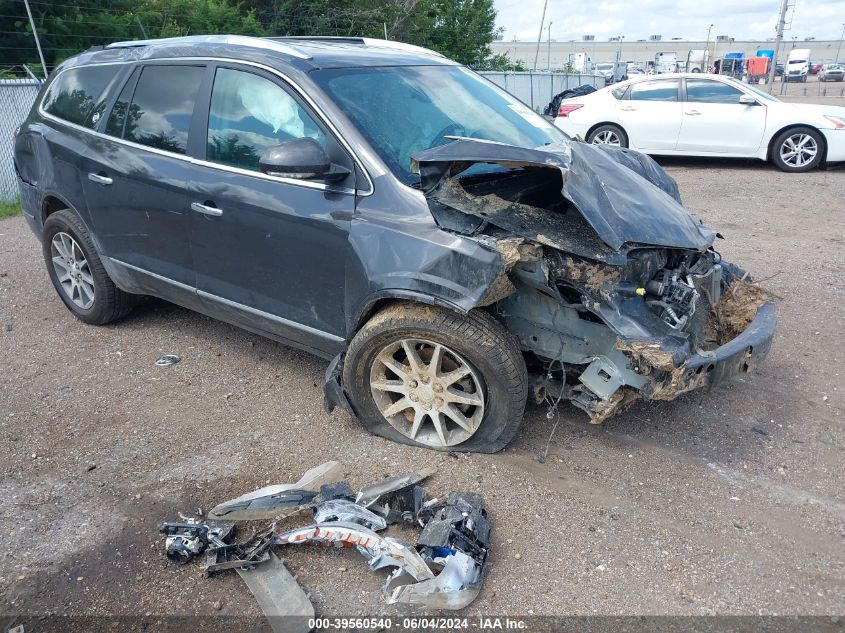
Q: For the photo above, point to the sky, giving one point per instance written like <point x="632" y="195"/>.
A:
<point x="689" y="19"/>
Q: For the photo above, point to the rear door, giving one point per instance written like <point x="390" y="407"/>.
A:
<point x="651" y="114"/>
<point x="135" y="174"/>
<point x="270" y="251"/>
<point x="715" y="121"/>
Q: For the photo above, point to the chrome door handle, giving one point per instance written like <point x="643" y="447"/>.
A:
<point x="206" y="210"/>
<point x="692" y="113"/>
<point x="628" y="109"/>
<point x="100" y="180"/>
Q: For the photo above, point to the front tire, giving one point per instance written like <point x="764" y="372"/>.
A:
<point x="798" y="150"/>
<point x="608" y="134"/>
<point x="425" y="376"/>
<point x="77" y="272"/>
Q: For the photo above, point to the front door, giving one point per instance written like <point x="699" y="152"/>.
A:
<point x="651" y="114"/>
<point x="270" y="252"/>
<point x="715" y="121"/>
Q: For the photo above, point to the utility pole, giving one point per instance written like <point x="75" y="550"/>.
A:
<point x="540" y="34"/>
<point x="705" y="62"/>
<point x="784" y="5"/>
<point x="839" y="48"/>
<point x="35" y="35"/>
<point x="549" y="52"/>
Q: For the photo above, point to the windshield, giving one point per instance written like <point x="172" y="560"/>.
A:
<point x="797" y="61"/>
<point x="402" y="110"/>
<point x="604" y="66"/>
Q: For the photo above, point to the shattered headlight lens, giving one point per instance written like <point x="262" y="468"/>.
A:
<point x="838" y="121"/>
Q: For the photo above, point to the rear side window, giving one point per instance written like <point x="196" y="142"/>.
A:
<point x="707" y="91"/>
<point x="79" y="95"/>
<point x="160" y="112"/>
<point x="662" y="90"/>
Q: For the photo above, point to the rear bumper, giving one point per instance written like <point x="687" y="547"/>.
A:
<point x="735" y="358"/>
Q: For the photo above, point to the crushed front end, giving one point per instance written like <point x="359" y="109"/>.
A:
<point x="612" y="289"/>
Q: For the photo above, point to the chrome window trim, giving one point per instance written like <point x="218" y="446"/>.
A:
<point x="206" y="163"/>
<point x="234" y="304"/>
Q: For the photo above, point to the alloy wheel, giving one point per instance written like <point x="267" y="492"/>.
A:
<point x="799" y="150"/>
<point x="607" y="137"/>
<point x="427" y="392"/>
<point x="72" y="270"/>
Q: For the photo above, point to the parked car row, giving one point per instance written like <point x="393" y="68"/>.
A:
<point x="692" y="114"/>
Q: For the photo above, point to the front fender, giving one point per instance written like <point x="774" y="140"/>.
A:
<point x="416" y="262"/>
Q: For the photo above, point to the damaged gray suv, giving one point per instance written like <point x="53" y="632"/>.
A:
<point x="378" y="205"/>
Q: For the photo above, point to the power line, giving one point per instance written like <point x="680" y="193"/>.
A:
<point x="48" y="35"/>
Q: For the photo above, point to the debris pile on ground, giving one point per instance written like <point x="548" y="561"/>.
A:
<point x="443" y="570"/>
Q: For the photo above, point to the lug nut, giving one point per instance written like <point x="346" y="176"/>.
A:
<point x="414" y="397"/>
<point x="438" y="387"/>
<point x="413" y="384"/>
<point x="425" y="380"/>
<point x="438" y="402"/>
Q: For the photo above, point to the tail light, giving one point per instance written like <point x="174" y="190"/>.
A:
<point x="564" y="110"/>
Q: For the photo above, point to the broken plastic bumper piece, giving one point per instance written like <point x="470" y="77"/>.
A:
<point x="735" y="358"/>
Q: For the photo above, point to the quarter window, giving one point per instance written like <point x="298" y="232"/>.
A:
<point x="114" y="126"/>
<point x="250" y="114"/>
<point x="79" y="95"/>
<point x="662" y="90"/>
<point x="706" y="91"/>
<point x="160" y="113"/>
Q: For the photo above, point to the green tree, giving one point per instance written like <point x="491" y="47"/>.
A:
<point x="502" y="62"/>
<point x="460" y="29"/>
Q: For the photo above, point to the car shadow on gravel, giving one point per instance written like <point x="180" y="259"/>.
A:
<point x="699" y="162"/>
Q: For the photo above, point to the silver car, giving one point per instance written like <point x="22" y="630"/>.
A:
<point x="832" y="72"/>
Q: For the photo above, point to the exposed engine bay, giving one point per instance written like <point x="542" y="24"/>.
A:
<point x="612" y="297"/>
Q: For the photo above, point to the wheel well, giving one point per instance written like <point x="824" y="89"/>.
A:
<point x="50" y="206"/>
<point x="598" y="125"/>
<point x="792" y="127"/>
<point x="383" y="302"/>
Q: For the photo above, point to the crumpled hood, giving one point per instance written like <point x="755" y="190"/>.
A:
<point x="624" y="195"/>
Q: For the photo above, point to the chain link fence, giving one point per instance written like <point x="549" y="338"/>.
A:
<point x="16" y="99"/>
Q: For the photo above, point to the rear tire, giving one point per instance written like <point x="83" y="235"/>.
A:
<point x="608" y="134"/>
<point x="409" y="407"/>
<point x="78" y="274"/>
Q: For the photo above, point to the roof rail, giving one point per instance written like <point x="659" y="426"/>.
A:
<point x="236" y="40"/>
<point x="365" y="41"/>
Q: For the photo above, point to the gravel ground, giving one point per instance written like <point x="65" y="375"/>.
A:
<point x="723" y="502"/>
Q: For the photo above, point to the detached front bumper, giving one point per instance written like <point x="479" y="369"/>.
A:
<point x="735" y="358"/>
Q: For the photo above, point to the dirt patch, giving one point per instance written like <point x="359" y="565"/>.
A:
<point x="646" y="354"/>
<point x="620" y="400"/>
<point x="734" y="311"/>
<point x="592" y="275"/>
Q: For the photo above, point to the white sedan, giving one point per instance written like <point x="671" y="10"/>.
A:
<point x="691" y="114"/>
